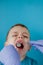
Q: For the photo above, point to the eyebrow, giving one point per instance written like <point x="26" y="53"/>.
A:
<point x="14" y="32"/>
<point x="23" y="33"/>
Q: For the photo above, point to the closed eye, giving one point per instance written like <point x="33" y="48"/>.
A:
<point x="25" y="36"/>
<point x="14" y="35"/>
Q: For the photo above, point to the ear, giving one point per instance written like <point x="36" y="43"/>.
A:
<point x="29" y="46"/>
<point x="6" y="43"/>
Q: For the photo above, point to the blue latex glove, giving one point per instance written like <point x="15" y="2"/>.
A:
<point x="38" y="44"/>
<point x="9" y="56"/>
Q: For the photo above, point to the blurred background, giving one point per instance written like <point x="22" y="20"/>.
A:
<point x="28" y="12"/>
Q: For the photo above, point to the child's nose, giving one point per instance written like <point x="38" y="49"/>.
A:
<point x="20" y="36"/>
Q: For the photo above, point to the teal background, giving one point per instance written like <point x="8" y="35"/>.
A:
<point x="28" y="12"/>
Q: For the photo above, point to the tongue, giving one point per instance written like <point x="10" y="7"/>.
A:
<point x="19" y="45"/>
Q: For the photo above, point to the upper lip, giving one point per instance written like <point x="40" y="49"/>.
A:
<point x="20" y="41"/>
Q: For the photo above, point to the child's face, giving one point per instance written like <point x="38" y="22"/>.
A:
<point x="20" y="35"/>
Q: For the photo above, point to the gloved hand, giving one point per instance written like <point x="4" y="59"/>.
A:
<point x="9" y="56"/>
<point x="38" y="44"/>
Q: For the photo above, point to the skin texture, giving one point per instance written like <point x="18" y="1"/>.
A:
<point x="19" y="34"/>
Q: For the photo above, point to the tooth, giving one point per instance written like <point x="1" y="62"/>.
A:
<point x="18" y="45"/>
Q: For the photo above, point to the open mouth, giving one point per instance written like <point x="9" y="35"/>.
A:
<point x="20" y="45"/>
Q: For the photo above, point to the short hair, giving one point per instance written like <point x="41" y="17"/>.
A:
<point x="22" y="25"/>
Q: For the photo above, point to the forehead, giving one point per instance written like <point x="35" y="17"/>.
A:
<point x="19" y="29"/>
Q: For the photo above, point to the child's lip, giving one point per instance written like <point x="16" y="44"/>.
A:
<point x="19" y="41"/>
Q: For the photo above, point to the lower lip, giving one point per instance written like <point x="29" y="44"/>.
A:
<point x="19" y="48"/>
